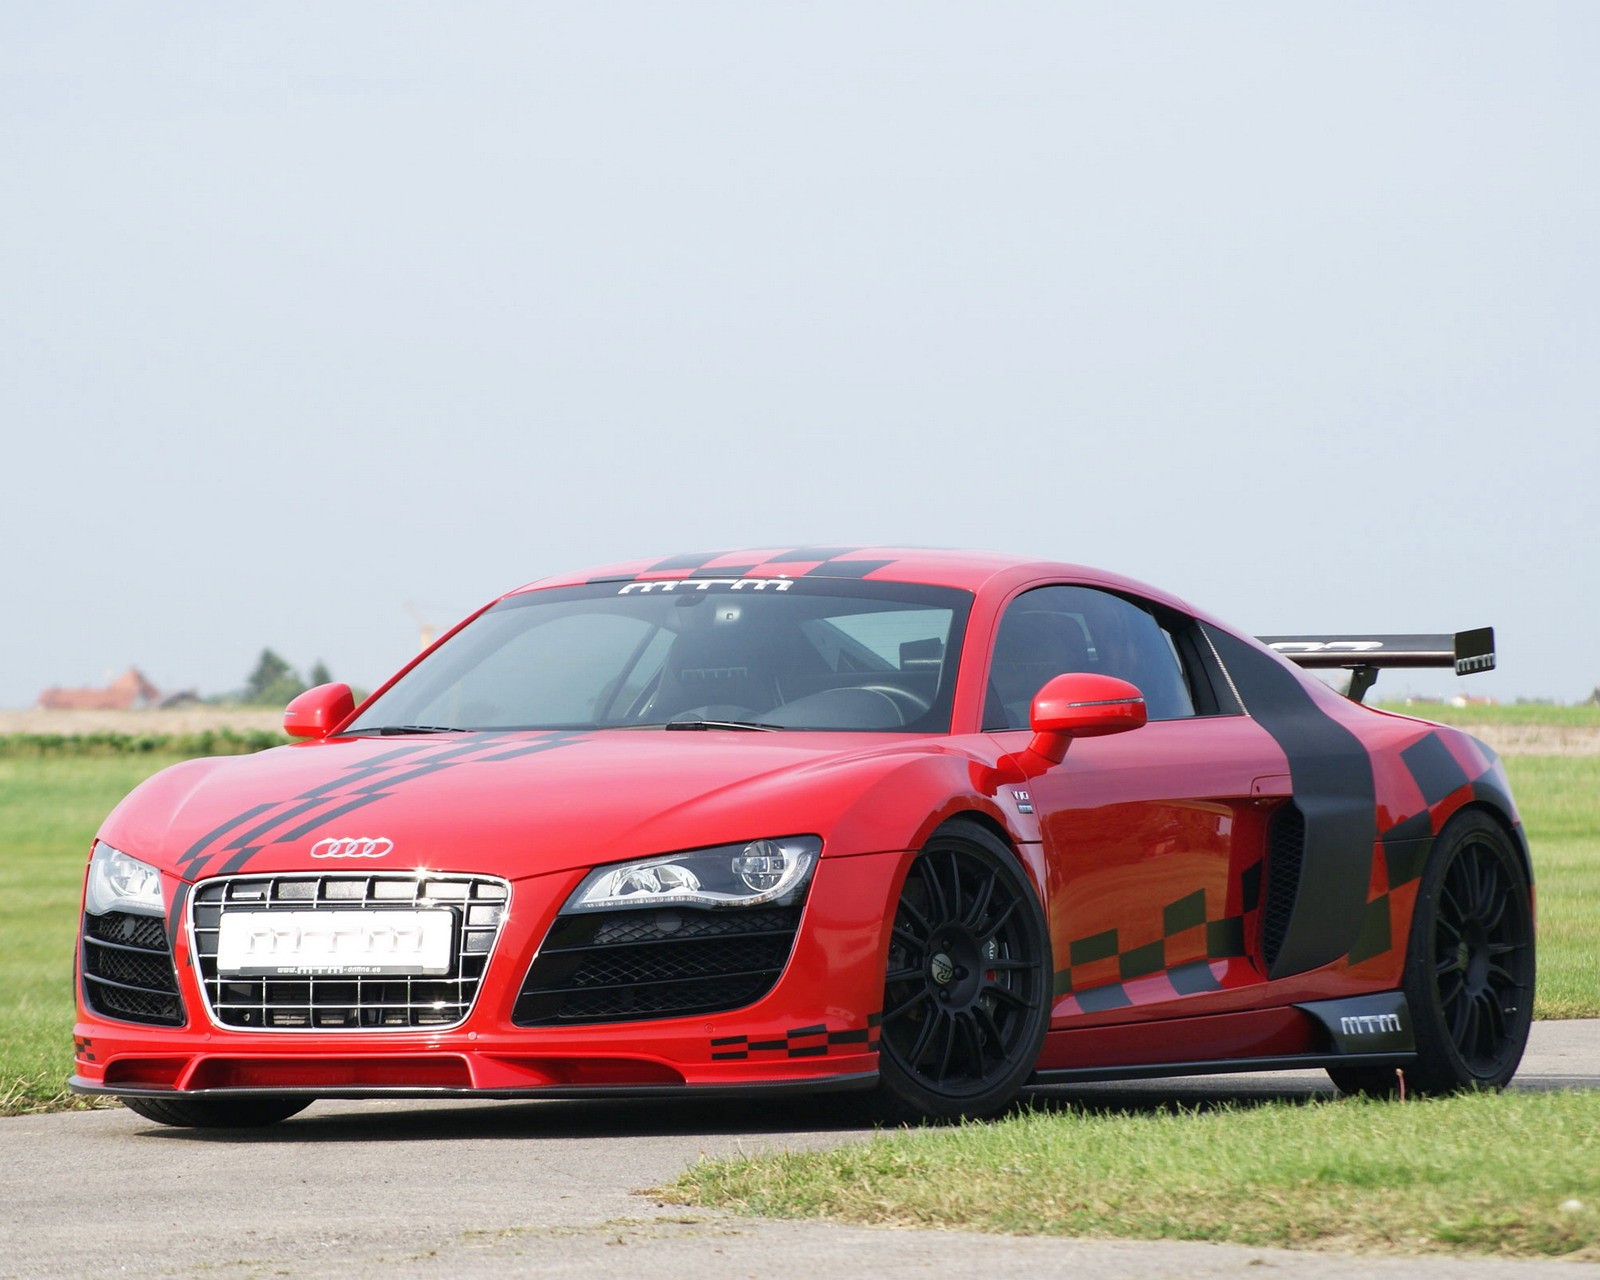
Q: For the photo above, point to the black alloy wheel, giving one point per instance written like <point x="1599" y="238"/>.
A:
<point x="1470" y="966"/>
<point x="966" y="998"/>
<point x="216" y="1113"/>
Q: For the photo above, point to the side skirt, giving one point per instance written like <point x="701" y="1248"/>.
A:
<point x="1160" y="1070"/>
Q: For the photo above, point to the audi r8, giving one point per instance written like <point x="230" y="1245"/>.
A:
<point x="930" y="826"/>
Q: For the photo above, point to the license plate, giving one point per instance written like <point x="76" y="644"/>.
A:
<point x="281" y="944"/>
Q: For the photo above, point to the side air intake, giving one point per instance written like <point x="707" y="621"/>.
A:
<point x="1286" y="848"/>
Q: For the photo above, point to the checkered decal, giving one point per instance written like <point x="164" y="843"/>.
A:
<point x="796" y="562"/>
<point x="83" y="1049"/>
<point x="1225" y="938"/>
<point x="800" y="1042"/>
<point x="1439" y="777"/>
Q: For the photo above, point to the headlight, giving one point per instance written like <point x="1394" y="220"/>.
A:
<point x="732" y="875"/>
<point x="120" y="883"/>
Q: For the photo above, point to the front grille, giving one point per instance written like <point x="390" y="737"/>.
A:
<point x="127" y="969"/>
<point x="611" y="966"/>
<point x="1286" y="846"/>
<point x="340" y="1002"/>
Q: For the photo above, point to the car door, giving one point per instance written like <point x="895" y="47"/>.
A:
<point x="1153" y="838"/>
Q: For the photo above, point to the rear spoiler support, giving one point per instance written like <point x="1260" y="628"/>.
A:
<point x="1364" y="656"/>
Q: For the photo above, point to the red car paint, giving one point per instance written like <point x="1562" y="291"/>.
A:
<point x="1146" y="848"/>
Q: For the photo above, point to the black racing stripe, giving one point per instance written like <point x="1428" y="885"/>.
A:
<point x="818" y="1029"/>
<point x="1099" y="999"/>
<point x="1374" y="939"/>
<point x="846" y="568"/>
<point x="1150" y="958"/>
<point x="858" y="1036"/>
<point x="1225" y="938"/>
<point x="1405" y="859"/>
<point x="1435" y="769"/>
<point x="1097" y="946"/>
<point x="197" y="851"/>
<point x="809" y="1051"/>
<point x="722" y="1040"/>
<point x="534" y="748"/>
<point x="239" y="860"/>
<point x="434" y="764"/>
<point x="1063" y="983"/>
<point x="1419" y="826"/>
<point x="1250" y="887"/>
<point x="1185" y="913"/>
<point x="799" y="555"/>
<point x="738" y="1055"/>
<point x="175" y="912"/>
<point x="306" y="828"/>
<point x="255" y="833"/>
<point x="1331" y="774"/>
<point x="1192" y="978"/>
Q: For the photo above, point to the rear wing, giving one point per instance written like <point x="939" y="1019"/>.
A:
<point x="1365" y="656"/>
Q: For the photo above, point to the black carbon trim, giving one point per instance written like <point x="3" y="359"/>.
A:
<point x="1331" y="774"/>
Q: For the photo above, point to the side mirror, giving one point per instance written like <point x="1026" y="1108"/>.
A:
<point x="1081" y="705"/>
<point x="316" y="712"/>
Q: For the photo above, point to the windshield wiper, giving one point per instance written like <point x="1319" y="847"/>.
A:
<point x="723" y="724"/>
<point x="389" y="730"/>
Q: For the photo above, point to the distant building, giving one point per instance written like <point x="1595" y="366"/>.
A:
<point x="129" y="691"/>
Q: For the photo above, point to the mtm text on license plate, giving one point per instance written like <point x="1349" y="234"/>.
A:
<point x="254" y="944"/>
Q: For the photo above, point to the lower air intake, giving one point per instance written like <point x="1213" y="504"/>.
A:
<point x="127" y="970"/>
<point x="614" y="966"/>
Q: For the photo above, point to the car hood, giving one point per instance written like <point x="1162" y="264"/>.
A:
<point x="509" y="804"/>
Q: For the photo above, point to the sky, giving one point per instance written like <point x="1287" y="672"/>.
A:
<point x="317" y="318"/>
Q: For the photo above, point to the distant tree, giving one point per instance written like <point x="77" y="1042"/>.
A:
<point x="320" y="673"/>
<point x="1594" y="698"/>
<point x="273" y="682"/>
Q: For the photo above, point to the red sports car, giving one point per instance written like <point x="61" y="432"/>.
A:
<point x="930" y="825"/>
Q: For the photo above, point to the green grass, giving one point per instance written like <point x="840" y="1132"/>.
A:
<point x="1511" y="1174"/>
<point x="50" y="807"/>
<point x="1580" y="716"/>
<point x="1559" y="799"/>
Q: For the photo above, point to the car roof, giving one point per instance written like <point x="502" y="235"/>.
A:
<point x="930" y="566"/>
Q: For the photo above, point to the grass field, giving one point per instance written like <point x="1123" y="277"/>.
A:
<point x="1582" y="716"/>
<point x="1512" y="1174"/>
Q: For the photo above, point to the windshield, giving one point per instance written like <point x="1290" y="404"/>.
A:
<point x="781" y="653"/>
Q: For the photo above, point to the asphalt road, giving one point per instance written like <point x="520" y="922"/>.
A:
<point x="444" y="1190"/>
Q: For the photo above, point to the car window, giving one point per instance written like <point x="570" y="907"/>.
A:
<point x="1052" y="630"/>
<point x="790" y="653"/>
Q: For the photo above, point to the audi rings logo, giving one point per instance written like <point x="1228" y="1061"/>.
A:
<point x="352" y="847"/>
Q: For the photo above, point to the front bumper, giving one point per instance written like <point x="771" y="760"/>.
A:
<point x="816" y="1030"/>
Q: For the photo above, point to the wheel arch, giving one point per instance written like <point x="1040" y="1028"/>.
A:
<point x="1498" y="807"/>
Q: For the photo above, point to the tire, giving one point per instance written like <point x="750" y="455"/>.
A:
<point x="967" y="987"/>
<point x="229" y="1113"/>
<point x="1469" y="967"/>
